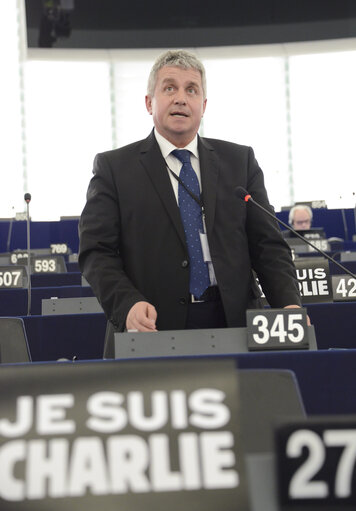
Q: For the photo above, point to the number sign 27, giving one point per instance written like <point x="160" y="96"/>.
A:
<point x="316" y="465"/>
<point x="273" y="329"/>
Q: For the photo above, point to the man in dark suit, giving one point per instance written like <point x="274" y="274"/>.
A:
<point x="135" y="242"/>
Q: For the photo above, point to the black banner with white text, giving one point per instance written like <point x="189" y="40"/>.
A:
<point x="121" y="435"/>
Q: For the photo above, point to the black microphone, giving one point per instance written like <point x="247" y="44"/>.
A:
<point x="243" y="194"/>
<point x="9" y="233"/>
<point x="27" y="198"/>
<point x="353" y="194"/>
<point x="344" y="223"/>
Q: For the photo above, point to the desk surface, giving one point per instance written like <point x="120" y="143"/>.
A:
<point x="13" y="302"/>
<point x="82" y="335"/>
<point x="327" y="379"/>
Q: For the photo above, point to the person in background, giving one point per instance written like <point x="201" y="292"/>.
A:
<point x="165" y="243"/>
<point x="300" y="217"/>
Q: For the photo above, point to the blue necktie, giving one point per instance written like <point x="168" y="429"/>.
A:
<point x="191" y="215"/>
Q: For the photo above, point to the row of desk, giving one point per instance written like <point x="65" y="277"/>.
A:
<point x="335" y="323"/>
<point x="339" y="223"/>
<point x="70" y="284"/>
<point x="325" y="378"/>
<point x="82" y="335"/>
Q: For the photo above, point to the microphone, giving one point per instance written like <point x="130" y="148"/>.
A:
<point x="344" y="223"/>
<point x="243" y="194"/>
<point x="27" y="198"/>
<point x="9" y="232"/>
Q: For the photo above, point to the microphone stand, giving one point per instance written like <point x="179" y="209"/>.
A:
<point x="344" y="224"/>
<point x="354" y="211"/>
<point x="9" y="235"/>
<point x="242" y="194"/>
<point x="27" y="200"/>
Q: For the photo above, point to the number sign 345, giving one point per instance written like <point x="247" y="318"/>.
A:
<point x="277" y="329"/>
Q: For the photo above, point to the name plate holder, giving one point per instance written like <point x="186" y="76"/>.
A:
<point x="344" y="288"/>
<point x="315" y="461"/>
<point x="81" y="305"/>
<point x="13" y="277"/>
<point x="173" y="343"/>
<point x="277" y="329"/>
<point x="314" y="280"/>
<point x="48" y="264"/>
<point x="176" y="456"/>
<point x="41" y="261"/>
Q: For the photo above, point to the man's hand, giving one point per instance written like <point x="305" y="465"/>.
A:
<point x="298" y="307"/>
<point x="142" y="317"/>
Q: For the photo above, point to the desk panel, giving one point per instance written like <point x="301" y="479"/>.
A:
<point x="334" y="323"/>
<point x="334" y="328"/>
<point x="43" y="234"/>
<point x="327" y="379"/>
<point x="56" y="279"/>
<point x="13" y="302"/>
<point x="54" y="337"/>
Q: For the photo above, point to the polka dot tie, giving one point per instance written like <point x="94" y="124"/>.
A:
<point x="191" y="215"/>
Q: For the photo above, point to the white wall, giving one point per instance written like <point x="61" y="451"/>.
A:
<point x="294" y="104"/>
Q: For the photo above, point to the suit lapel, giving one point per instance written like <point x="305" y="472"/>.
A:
<point x="209" y="169"/>
<point x="155" y="166"/>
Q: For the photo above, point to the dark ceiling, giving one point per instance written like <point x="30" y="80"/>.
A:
<point x="89" y="17"/>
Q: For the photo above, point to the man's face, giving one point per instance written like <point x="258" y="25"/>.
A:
<point x="301" y="220"/>
<point x="177" y="104"/>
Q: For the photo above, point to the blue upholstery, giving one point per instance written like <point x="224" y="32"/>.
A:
<point x="66" y="336"/>
<point x="13" y="302"/>
<point x="331" y="220"/>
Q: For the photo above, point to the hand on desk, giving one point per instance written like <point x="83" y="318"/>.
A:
<point x="142" y="317"/>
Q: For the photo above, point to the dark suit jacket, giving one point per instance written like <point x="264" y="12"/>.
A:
<point x="132" y="244"/>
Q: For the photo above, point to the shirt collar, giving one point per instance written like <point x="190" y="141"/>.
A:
<point x="167" y="147"/>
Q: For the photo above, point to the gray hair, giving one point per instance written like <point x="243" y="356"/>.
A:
<point x="299" y="207"/>
<point x="176" y="58"/>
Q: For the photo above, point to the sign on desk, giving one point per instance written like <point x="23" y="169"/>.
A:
<point x="344" y="288"/>
<point x="12" y="277"/>
<point x="314" y="279"/>
<point x="277" y="329"/>
<point x="316" y="464"/>
<point x="131" y="436"/>
<point x="40" y="264"/>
